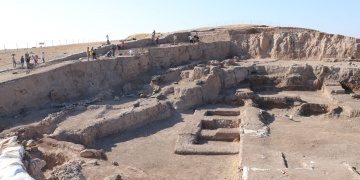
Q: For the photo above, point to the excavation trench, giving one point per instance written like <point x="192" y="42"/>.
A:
<point x="310" y="109"/>
<point x="87" y="122"/>
<point x="137" y="90"/>
<point x="217" y="133"/>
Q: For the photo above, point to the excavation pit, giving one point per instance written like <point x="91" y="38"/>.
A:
<point x="277" y="101"/>
<point x="220" y="134"/>
<point x="310" y="109"/>
<point x="115" y="104"/>
<point x="215" y="134"/>
<point x="218" y="123"/>
<point x="222" y="113"/>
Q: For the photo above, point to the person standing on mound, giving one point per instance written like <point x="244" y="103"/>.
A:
<point x="122" y="45"/>
<point x="22" y="61"/>
<point x="153" y="37"/>
<point x="157" y="40"/>
<point x="196" y="38"/>
<point x="191" y="39"/>
<point x="88" y="53"/>
<point x="107" y="39"/>
<point x="91" y="52"/>
<point x="35" y="58"/>
<point x="94" y="54"/>
<point x="27" y="59"/>
<point x="174" y="39"/>
<point x="113" y="48"/>
<point x="43" y="57"/>
<point x="13" y="60"/>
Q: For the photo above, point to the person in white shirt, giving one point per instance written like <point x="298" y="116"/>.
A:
<point x="174" y="39"/>
<point x="43" y="57"/>
<point x="107" y="39"/>
<point x="191" y="39"/>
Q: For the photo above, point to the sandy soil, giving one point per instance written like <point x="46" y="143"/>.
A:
<point x="51" y="52"/>
<point x="148" y="35"/>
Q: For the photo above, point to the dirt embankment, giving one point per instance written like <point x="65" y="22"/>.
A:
<point x="77" y="80"/>
<point x="285" y="43"/>
<point x="69" y="81"/>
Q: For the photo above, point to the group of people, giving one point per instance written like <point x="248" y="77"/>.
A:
<point x="114" y="47"/>
<point x="194" y="39"/>
<point x="154" y="38"/>
<point x="91" y="53"/>
<point x="121" y="46"/>
<point x="27" y="59"/>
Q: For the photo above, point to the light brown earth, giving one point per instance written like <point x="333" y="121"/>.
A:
<point x="315" y="147"/>
<point x="141" y="134"/>
<point x="148" y="153"/>
<point x="51" y="52"/>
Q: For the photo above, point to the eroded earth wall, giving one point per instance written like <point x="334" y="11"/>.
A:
<point x="285" y="43"/>
<point x="75" y="80"/>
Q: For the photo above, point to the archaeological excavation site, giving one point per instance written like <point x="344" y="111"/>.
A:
<point x="247" y="103"/>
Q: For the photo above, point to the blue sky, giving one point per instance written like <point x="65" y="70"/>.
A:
<point x="58" y="21"/>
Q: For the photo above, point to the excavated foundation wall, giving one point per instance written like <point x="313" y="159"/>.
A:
<point x="125" y="120"/>
<point x="81" y="79"/>
<point x="303" y="77"/>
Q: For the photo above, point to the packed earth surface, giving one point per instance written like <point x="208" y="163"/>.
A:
<point x="246" y="102"/>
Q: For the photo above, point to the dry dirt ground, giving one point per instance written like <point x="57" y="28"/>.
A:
<point x="148" y="153"/>
<point x="143" y="153"/>
<point x="314" y="147"/>
<point x="51" y="52"/>
<point x="148" y="35"/>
